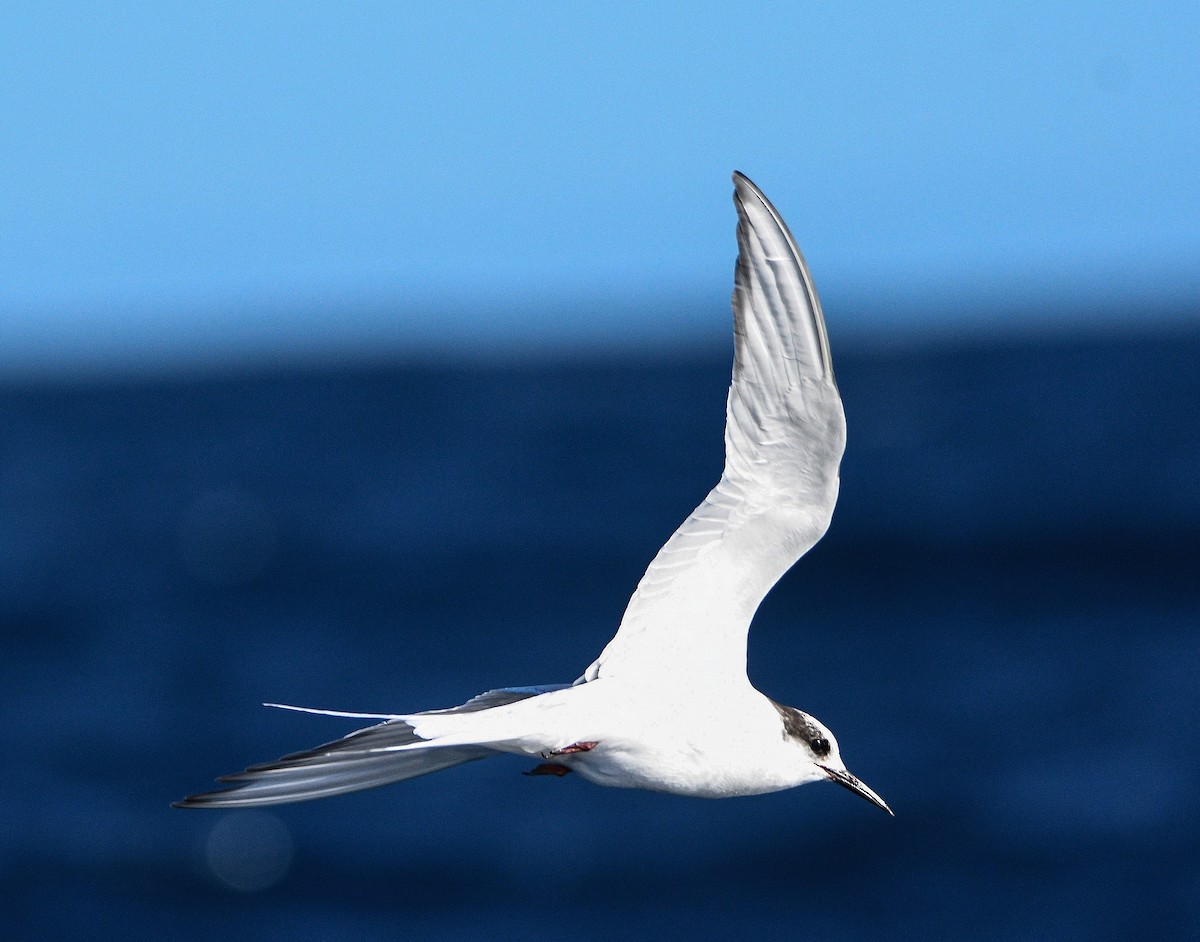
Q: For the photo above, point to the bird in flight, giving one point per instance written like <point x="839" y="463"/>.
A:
<point x="667" y="705"/>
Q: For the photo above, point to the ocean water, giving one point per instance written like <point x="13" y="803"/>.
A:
<point x="1002" y="627"/>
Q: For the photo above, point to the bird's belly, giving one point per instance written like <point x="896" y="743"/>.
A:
<point x="679" y="767"/>
<point x="715" y="743"/>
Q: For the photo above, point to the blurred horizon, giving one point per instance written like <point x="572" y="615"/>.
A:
<point x="317" y="339"/>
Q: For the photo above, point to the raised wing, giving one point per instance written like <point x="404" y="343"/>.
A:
<point x="784" y="436"/>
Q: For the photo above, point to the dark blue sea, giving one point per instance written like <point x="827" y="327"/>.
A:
<point x="1002" y="627"/>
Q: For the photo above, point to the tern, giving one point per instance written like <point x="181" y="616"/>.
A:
<point x="667" y="705"/>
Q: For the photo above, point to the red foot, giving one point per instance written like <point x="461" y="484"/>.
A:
<point x="547" y="768"/>
<point x="574" y="747"/>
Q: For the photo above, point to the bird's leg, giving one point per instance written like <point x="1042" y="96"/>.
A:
<point x="549" y="768"/>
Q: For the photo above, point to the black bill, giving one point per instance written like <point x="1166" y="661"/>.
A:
<point x="846" y="780"/>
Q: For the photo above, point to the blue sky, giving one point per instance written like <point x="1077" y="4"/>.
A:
<point x="267" y="180"/>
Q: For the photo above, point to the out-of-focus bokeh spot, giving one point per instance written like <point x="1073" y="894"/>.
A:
<point x="249" y="851"/>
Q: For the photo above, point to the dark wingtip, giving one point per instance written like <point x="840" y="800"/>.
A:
<point x="742" y="184"/>
<point x="204" y="799"/>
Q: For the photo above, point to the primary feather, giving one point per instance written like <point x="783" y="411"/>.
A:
<point x="363" y="759"/>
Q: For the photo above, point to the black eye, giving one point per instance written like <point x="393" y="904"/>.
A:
<point x="819" y="746"/>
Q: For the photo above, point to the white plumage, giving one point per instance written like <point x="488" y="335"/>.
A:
<point x="667" y="705"/>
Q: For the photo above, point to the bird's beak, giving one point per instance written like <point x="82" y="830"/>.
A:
<point x="846" y="780"/>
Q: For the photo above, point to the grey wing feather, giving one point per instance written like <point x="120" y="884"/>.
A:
<point x="780" y="331"/>
<point x="362" y="759"/>
<point x="501" y="697"/>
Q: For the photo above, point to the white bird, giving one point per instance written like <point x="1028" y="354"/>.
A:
<point x="667" y="705"/>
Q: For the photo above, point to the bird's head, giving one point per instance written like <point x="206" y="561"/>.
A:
<point x="819" y="749"/>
